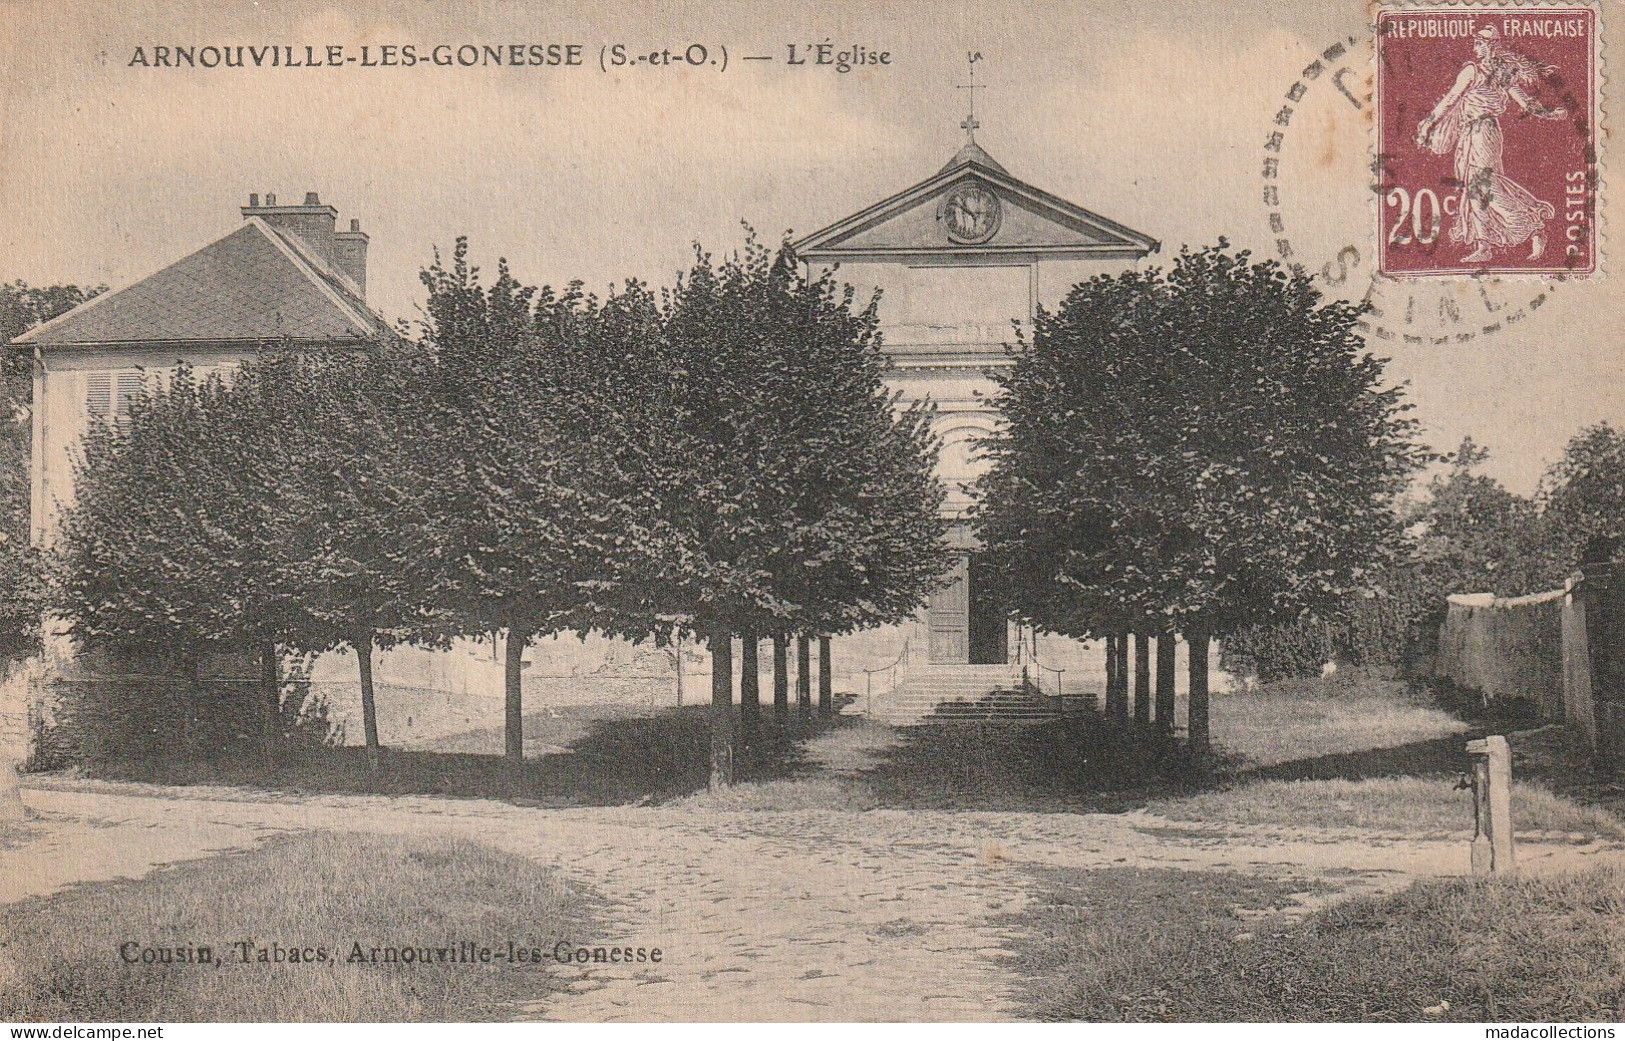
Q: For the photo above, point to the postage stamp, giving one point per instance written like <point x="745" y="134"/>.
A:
<point x="1487" y="140"/>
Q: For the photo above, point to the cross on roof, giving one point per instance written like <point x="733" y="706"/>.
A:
<point x="970" y="124"/>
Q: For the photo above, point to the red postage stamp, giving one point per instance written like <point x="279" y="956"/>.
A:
<point x="1487" y="139"/>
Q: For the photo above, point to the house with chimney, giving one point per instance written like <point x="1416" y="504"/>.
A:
<point x="285" y="277"/>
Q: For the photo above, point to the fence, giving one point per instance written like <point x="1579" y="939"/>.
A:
<point x="1563" y="651"/>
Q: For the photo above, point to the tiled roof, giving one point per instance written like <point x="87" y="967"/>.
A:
<point x="252" y="285"/>
<point x="973" y="153"/>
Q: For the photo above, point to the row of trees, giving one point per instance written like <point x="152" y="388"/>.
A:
<point x="1205" y="449"/>
<point x="1210" y="449"/>
<point x="719" y="459"/>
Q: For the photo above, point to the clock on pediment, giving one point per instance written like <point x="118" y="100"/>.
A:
<point x="971" y="213"/>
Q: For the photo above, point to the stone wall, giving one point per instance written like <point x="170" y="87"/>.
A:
<point x="1506" y="649"/>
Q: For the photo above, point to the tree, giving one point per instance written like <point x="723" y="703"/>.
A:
<point x="1583" y="498"/>
<point x="1202" y="448"/>
<point x="162" y="557"/>
<point x="349" y="469"/>
<point x="1472" y="535"/>
<point x="796" y="493"/>
<point x="286" y="507"/>
<point x="22" y="588"/>
<point x="545" y="492"/>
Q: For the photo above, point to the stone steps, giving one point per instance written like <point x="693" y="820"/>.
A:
<point x="934" y="694"/>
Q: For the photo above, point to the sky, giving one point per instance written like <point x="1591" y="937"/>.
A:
<point x="1152" y="114"/>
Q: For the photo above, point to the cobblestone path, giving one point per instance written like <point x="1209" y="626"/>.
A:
<point x="805" y="915"/>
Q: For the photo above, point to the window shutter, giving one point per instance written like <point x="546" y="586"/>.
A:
<point x="131" y="385"/>
<point x="99" y="393"/>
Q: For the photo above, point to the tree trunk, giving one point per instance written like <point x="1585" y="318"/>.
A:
<point x="781" y="677"/>
<point x="513" y="696"/>
<point x="369" y="707"/>
<point x="1198" y="708"/>
<point x="194" y="705"/>
<point x="804" y="677"/>
<point x="750" y="683"/>
<point x="1122" y="677"/>
<point x="1117" y="677"/>
<point x="1142" y="679"/>
<point x="271" y="699"/>
<point x="826" y="696"/>
<point x="677" y="652"/>
<point x="1165" y="682"/>
<point x="1111" y="675"/>
<point x="722" y="708"/>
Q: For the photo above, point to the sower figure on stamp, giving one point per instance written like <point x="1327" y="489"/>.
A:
<point x="1492" y="211"/>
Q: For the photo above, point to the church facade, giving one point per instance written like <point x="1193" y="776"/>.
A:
<point x="963" y="260"/>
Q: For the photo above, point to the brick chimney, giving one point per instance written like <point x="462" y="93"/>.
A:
<point x="312" y="222"/>
<point x="350" y="255"/>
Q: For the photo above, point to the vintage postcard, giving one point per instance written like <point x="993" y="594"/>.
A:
<point x="971" y="512"/>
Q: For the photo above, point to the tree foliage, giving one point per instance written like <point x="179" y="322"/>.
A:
<point x="1582" y="497"/>
<point x="1203" y="447"/>
<point x="797" y="492"/>
<point x="22" y="579"/>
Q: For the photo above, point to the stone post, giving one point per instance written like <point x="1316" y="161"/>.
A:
<point x="1492" y="850"/>
<point x="1602" y="592"/>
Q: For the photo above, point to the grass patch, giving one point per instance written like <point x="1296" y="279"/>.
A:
<point x="60" y="959"/>
<point x="610" y="760"/>
<point x="1557" y="757"/>
<point x="1076" y="764"/>
<point x="1183" y="946"/>
<point x="1402" y="805"/>
<point x="802" y="793"/>
<point x="1309" y="719"/>
<point x="1082" y="763"/>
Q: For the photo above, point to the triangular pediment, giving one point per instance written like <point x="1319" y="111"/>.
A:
<point x="974" y="208"/>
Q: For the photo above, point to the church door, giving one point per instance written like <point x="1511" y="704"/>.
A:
<point x="949" y="617"/>
<point x="989" y="628"/>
